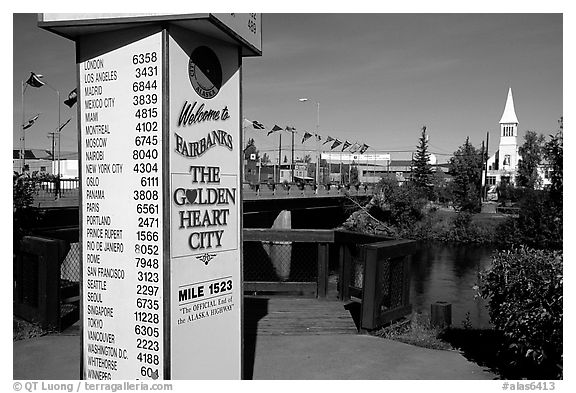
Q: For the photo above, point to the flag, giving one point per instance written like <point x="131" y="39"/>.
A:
<point x="329" y="139"/>
<point x="34" y="80"/>
<point x="354" y="147"/>
<point x="257" y="125"/>
<point x="346" y="145"/>
<point x="318" y="137"/>
<point x="274" y="129"/>
<point x="30" y="122"/>
<point x="72" y="97"/>
<point x="290" y="129"/>
<point x="335" y="144"/>
<point x="364" y="148"/>
<point x="64" y="125"/>
<point x="306" y="136"/>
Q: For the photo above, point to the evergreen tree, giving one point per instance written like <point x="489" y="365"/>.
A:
<point x="422" y="170"/>
<point x="531" y="153"/>
<point x="466" y="169"/>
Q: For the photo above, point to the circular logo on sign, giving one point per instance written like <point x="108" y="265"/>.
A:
<point x="205" y="72"/>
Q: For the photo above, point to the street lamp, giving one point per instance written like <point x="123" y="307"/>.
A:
<point x="316" y="138"/>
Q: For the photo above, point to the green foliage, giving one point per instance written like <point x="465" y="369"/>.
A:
<point x="531" y="152"/>
<point x="524" y="287"/>
<point x="466" y="169"/>
<point x="539" y="223"/>
<point x="354" y="180"/>
<point x="554" y="155"/>
<point x="422" y="170"/>
<point x="25" y="217"/>
<point x="405" y="203"/>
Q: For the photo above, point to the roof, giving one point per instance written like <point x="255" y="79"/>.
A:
<point x="509" y="115"/>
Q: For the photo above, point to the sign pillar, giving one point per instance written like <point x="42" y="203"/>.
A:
<point x="161" y="205"/>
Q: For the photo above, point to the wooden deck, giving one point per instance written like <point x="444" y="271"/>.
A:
<point x="293" y="316"/>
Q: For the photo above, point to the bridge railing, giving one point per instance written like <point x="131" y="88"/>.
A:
<point x="293" y="190"/>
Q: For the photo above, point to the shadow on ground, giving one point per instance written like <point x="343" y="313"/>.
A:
<point x="254" y="310"/>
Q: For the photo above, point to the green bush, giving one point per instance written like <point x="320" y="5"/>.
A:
<point x="539" y="223"/>
<point x="524" y="288"/>
<point x="24" y="215"/>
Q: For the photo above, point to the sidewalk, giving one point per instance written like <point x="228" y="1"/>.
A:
<point x="327" y="357"/>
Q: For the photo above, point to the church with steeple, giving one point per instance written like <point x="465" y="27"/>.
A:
<point x="503" y="165"/>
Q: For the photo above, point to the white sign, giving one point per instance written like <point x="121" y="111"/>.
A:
<point x="120" y="96"/>
<point x="345" y="157"/>
<point x="205" y="206"/>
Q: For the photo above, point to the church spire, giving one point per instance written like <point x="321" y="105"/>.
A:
<point x="509" y="115"/>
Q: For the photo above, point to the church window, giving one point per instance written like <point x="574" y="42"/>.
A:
<point x="506" y="159"/>
<point x="491" y="180"/>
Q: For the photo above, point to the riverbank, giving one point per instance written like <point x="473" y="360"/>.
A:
<point x="435" y="224"/>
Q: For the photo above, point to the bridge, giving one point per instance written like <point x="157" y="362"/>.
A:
<point x="68" y="195"/>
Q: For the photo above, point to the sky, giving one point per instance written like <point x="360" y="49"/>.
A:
<point x="378" y="79"/>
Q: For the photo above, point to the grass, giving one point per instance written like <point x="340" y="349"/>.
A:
<point x="415" y="331"/>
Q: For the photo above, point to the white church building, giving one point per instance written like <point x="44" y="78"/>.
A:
<point x="503" y="165"/>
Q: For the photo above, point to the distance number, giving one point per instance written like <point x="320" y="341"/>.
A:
<point x="145" y="99"/>
<point x="149" y="236"/>
<point x="219" y="287"/>
<point x="146" y="290"/>
<point x="145" y="263"/>
<point x="148" y="277"/>
<point x="150" y="345"/>
<point x="141" y="72"/>
<point x="143" y="330"/>
<point x="146" y="140"/>
<point x="143" y="86"/>
<point x="145" y="195"/>
<point x="148" y="222"/>
<point x="149" y="304"/>
<point x="148" y="317"/>
<point x="146" y="113"/>
<point x="147" y="126"/>
<point x="147" y="208"/>
<point x="144" y="154"/>
<point x="146" y="249"/>
<point x="148" y="358"/>
<point x="149" y="181"/>
<point x="149" y="372"/>
<point x="145" y="167"/>
<point x="143" y="58"/>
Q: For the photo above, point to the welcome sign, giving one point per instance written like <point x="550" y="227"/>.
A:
<point x="160" y="167"/>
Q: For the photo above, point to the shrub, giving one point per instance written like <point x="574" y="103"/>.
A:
<point x="24" y="215"/>
<point x="524" y="288"/>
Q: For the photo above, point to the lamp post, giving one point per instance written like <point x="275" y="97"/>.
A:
<point x="316" y="138"/>
<point x="58" y="128"/>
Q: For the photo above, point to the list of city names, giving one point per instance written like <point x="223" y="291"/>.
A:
<point x="121" y="156"/>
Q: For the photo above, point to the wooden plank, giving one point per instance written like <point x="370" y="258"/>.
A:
<point x="304" y="287"/>
<point x="292" y="235"/>
<point x="323" y="259"/>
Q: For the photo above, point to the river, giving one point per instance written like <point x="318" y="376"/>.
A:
<point x="447" y="272"/>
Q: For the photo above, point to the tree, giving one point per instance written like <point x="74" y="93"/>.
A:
<point x="466" y="169"/>
<point x="531" y="153"/>
<point x="265" y="159"/>
<point x="251" y="149"/>
<point x="354" y="178"/>
<point x="422" y="170"/>
<point x="554" y="154"/>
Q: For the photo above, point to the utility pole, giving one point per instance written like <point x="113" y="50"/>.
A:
<point x="481" y="172"/>
<point x="52" y="135"/>
<point x="485" y="166"/>
<point x="292" y="161"/>
<point x="279" y="154"/>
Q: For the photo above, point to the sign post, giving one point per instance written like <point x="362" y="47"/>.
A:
<point x="161" y="206"/>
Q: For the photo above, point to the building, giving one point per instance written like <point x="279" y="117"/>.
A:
<point x="503" y="165"/>
<point x="42" y="162"/>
